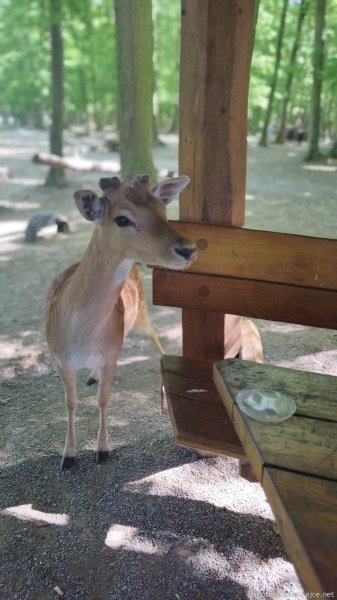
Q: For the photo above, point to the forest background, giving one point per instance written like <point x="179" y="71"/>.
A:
<point x="86" y="63"/>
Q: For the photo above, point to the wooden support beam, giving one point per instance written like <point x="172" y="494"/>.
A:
<point x="216" y="41"/>
<point x="206" y="340"/>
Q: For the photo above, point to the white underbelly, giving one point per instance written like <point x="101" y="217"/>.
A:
<point x="82" y="359"/>
<point x="90" y="343"/>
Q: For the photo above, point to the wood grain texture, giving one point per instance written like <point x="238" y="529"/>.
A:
<point x="305" y="444"/>
<point x="191" y="369"/>
<point x="262" y="255"/>
<point x="306" y="512"/>
<point x="216" y="40"/>
<point x="203" y="335"/>
<point x="315" y="394"/>
<point x="300" y="444"/>
<point x="314" y="307"/>
<point x="204" y="426"/>
<point x="199" y="419"/>
<point x="203" y="391"/>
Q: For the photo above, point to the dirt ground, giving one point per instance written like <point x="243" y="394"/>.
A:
<point x="155" y="522"/>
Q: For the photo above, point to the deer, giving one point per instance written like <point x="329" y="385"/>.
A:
<point x="93" y="304"/>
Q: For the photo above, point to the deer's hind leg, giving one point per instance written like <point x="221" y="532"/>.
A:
<point x="143" y="322"/>
<point x="68" y="377"/>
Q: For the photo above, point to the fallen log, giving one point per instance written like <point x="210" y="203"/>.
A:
<point x="40" y="220"/>
<point x="76" y="163"/>
<point x="5" y="173"/>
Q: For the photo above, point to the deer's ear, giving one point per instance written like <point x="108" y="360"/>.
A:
<point x="167" y="190"/>
<point x="90" y="205"/>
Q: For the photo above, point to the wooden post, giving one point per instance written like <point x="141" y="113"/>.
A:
<point x="216" y="42"/>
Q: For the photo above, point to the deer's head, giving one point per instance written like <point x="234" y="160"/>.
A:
<point x="133" y="221"/>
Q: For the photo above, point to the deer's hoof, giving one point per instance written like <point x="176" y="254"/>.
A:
<point x="102" y="456"/>
<point x="67" y="463"/>
<point x="91" y="381"/>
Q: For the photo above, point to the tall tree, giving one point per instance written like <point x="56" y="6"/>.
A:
<point x="318" y="70"/>
<point x="56" y="175"/>
<point x="333" y="149"/>
<point x="279" y="41"/>
<point x="302" y="11"/>
<point x="135" y="86"/>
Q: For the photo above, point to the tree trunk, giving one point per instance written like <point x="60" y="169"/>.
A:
<point x="256" y="16"/>
<point x="135" y="85"/>
<point x="318" y="68"/>
<point x="56" y="175"/>
<point x="264" y="134"/>
<point x="303" y="9"/>
<point x="333" y="149"/>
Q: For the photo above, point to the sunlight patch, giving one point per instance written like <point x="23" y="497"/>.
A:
<point x="171" y="333"/>
<point x="26" y="354"/>
<point x="213" y="482"/>
<point x="319" y="168"/>
<point x="25" y="512"/>
<point x="128" y="360"/>
<point x="10" y="204"/>
<point x="273" y="577"/>
<point x="27" y="181"/>
<point x="130" y="538"/>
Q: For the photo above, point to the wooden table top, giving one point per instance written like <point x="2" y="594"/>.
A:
<point x="295" y="461"/>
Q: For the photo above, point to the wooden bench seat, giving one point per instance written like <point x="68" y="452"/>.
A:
<point x="198" y="415"/>
<point x="295" y="461"/>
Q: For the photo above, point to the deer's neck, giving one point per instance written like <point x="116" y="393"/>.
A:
<point x="102" y="270"/>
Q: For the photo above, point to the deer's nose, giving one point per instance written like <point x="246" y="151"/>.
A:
<point x="188" y="253"/>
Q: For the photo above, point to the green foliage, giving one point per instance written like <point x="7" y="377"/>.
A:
<point x="91" y="72"/>
<point x="25" y="63"/>
<point x="166" y="18"/>
<point x="89" y="57"/>
<point x="263" y="57"/>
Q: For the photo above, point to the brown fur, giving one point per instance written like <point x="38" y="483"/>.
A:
<point x="93" y="304"/>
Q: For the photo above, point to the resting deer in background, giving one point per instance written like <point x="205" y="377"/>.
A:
<point x="93" y="304"/>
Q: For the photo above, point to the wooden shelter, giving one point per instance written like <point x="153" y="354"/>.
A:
<point x="240" y="272"/>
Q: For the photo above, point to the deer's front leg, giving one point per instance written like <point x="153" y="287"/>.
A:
<point x="68" y="377"/>
<point x="105" y="378"/>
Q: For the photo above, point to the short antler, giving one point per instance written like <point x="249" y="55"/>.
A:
<point x="109" y="183"/>
<point x="143" y="179"/>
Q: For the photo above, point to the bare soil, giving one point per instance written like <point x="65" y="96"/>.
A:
<point x="155" y="522"/>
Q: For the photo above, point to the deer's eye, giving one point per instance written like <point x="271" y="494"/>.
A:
<point x="123" y="221"/>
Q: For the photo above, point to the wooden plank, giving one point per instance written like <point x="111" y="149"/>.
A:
<point x="204" y="426"/>
<point x="257" y="299"/>
<point x="300" y="444"/>
<point x="262" y="255"/>
<point x="315" y="394"/>
<point x="199" y="421"/>
<point x="189" y="369"/>
<point x="306" y="445"/>
<point x="205" y="390"/>
<point x="306" y="512"/>
<point x="216" y="41"/>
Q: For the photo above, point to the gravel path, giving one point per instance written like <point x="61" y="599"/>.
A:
<point x="155" y="522"/>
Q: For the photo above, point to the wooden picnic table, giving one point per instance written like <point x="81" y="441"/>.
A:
<point x="295" y="461"/>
